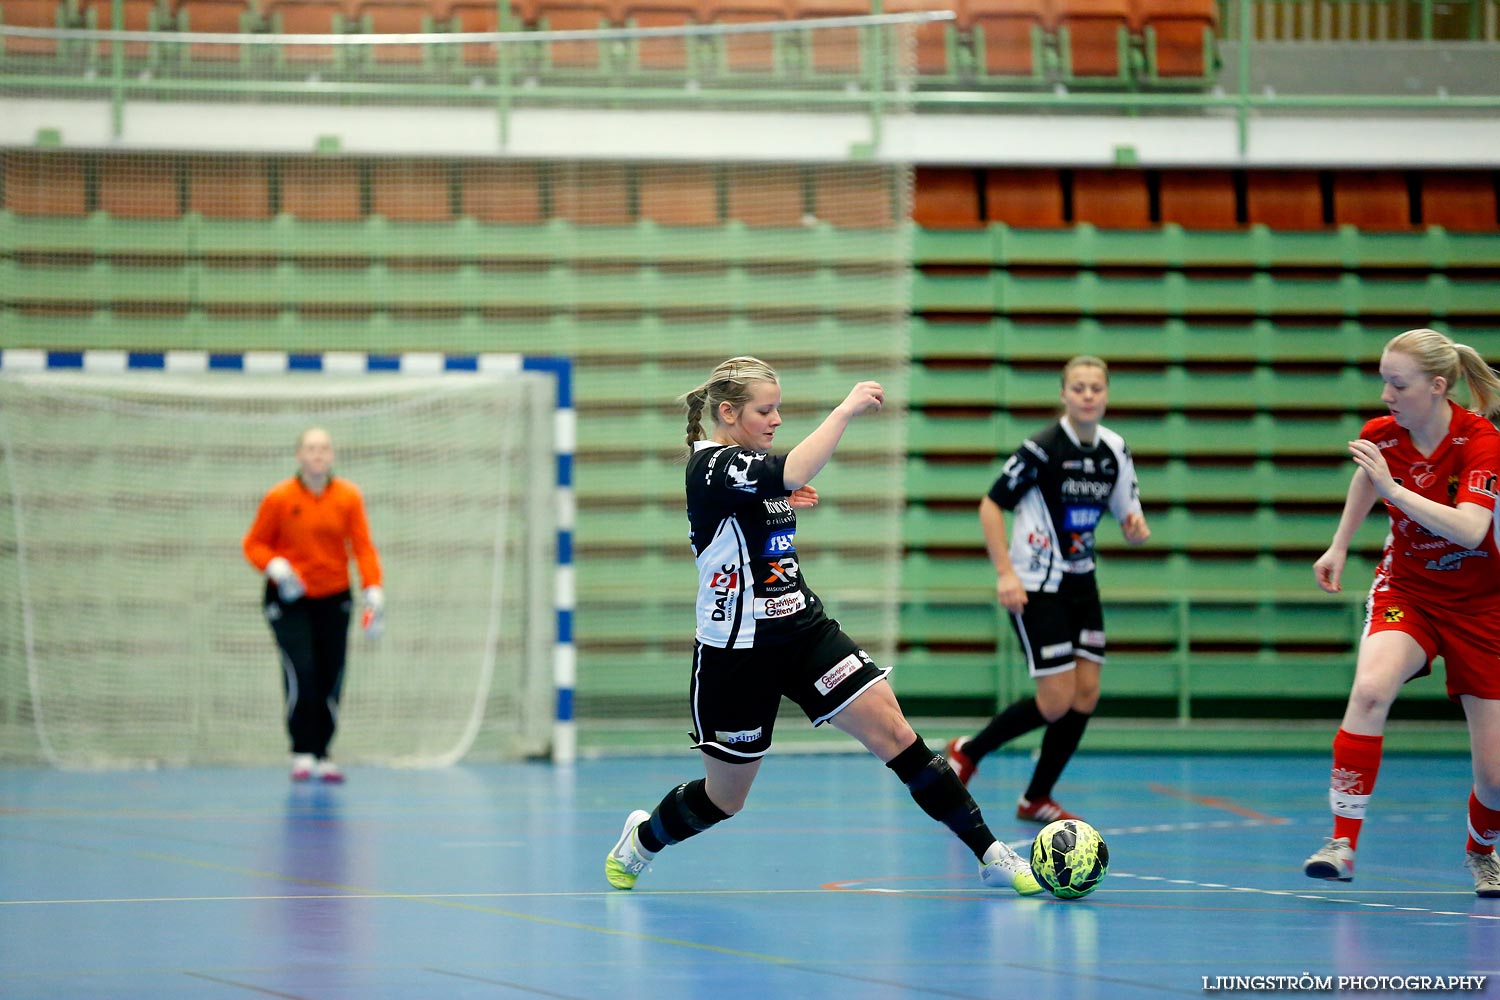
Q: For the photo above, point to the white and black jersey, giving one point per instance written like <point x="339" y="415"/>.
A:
<point x="1058" y="490"/>
<point x="743" y="532"/>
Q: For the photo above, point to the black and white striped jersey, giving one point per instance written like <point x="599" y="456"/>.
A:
<point x="743" y="531"/>
<point x="1058" y="489"/>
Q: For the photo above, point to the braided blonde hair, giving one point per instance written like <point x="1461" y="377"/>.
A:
<point x="1437" y="355"/>
<point x="729" y="383"/>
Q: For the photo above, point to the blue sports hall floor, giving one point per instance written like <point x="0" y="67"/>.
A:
<point x="486" y="881"/>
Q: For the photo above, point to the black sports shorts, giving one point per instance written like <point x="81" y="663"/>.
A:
<point x="736" y="693"/>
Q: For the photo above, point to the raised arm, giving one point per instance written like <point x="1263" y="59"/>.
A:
<point x="807" y="459"/>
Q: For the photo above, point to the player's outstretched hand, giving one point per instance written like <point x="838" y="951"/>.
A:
<point x="803" y="496"/>
<point x="866" y="397"/>
<point x="288" y="584"/>
<point x="1329" y="570"/>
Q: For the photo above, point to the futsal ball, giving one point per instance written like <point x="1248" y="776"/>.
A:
<point x="1069" y="858"/>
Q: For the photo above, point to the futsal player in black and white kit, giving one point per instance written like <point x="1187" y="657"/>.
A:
<point x="762" y="633"/>
<point x="1057" y="486"/>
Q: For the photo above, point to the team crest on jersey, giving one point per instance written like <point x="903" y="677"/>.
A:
<point x="1393" y="614"/>
<point x="738" y="471"/>
<point x="1423" y="474"/>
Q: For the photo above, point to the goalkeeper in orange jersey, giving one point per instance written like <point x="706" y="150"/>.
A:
<point x="303" y="535"/>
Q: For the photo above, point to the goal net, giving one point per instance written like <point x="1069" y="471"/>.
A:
<point x="131" y="631"/>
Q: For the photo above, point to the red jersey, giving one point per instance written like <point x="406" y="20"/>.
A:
<point x="315" y="532"/>
<point x="1464" y="469"/>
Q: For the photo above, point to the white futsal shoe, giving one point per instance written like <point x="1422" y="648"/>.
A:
<point x="1333" y="861"/>
<point x="625" y="861"/>
<point x="1008" y="869"/>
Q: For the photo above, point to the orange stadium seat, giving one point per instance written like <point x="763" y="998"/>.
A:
<point x="1199" y="199"/>
<point x="229" y="188"/>
<point x="45" y="184"/>
<point x="1372" y="199"/>
<point x="831" y="50"/>
<point x="946" y="198"/>
<point x="747" y="53"/>
<point x="1008" y="35"/>
<point x="322" y="190"/>
<point x="139" y="187"/>
<point x="766" y="196"/>
<point x="855" y="197"/>
<point x="1024" y="197"/>
<point x="1175" y="32"/>
<point x="32" y="14"/>
<point x="673" y="53"/>
<point x="484" y="15"/>
<point x="1111" y="199"/>
<point x="395" y="17"/>
<point x="1093" y="37"/>
<point x="219" y="17"/>
<point x="577" y="15"/>
<point x="1285" y="199"/>
<point x="307" y="17"/>
<point x="411" y="190"/>
<point x="679" y="195"/>
<point x="592" y="194"/>
<point x="933" y="55"/>
<point x="501" y="192"/>
<point x="1460" y="200"/>
<point x="136" y="15"/>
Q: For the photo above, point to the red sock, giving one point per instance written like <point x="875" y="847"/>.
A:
<point x="1484" y="826"/>
<point x="1356" y="761"/>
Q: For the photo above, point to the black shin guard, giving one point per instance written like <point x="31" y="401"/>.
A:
<point x="685" y="812"/>
<point x="1058" y="744"/>
<point x="935" y="788"/>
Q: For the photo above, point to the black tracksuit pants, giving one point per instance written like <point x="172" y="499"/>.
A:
<point x="313" y="636"/>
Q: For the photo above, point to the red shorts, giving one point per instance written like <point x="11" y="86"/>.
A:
<point x="1468" y="640"/>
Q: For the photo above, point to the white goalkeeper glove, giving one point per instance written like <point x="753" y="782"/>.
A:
<point x="288" y="584"/>
<point x="372" y="620"/>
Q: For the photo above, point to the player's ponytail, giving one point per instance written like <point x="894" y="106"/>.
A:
<point x="1437" y="355"/>
<point x="729" y="383"/>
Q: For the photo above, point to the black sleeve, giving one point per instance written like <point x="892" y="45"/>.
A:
<point x="736" y="471"/>
<point x="1018" y="476"/>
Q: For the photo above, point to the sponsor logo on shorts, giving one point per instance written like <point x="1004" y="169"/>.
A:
<point x="1057" y="649"/>
<point x="780" y="607"/>
<point x="1392" y="615"/>
<point x="838" y="673"/>
<point x="743" y="736"/>
<point x="1091" y="637"/>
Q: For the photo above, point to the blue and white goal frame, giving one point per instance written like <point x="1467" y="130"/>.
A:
<point x="565" y="438"/>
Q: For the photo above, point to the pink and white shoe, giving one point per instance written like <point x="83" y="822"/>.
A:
<point x="327" y="772"/>
<point x="302" y="766"/>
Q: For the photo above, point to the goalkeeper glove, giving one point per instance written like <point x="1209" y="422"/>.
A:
<point x="288" y="584"/>
<point x="373" y="618"/>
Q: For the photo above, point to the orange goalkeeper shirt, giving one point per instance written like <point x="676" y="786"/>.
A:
<point x="316" y="534"/>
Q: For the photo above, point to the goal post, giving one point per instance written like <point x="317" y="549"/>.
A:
<point x="130" y="625"/>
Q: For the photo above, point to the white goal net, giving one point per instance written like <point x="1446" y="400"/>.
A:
<point x="130" y="623"/>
